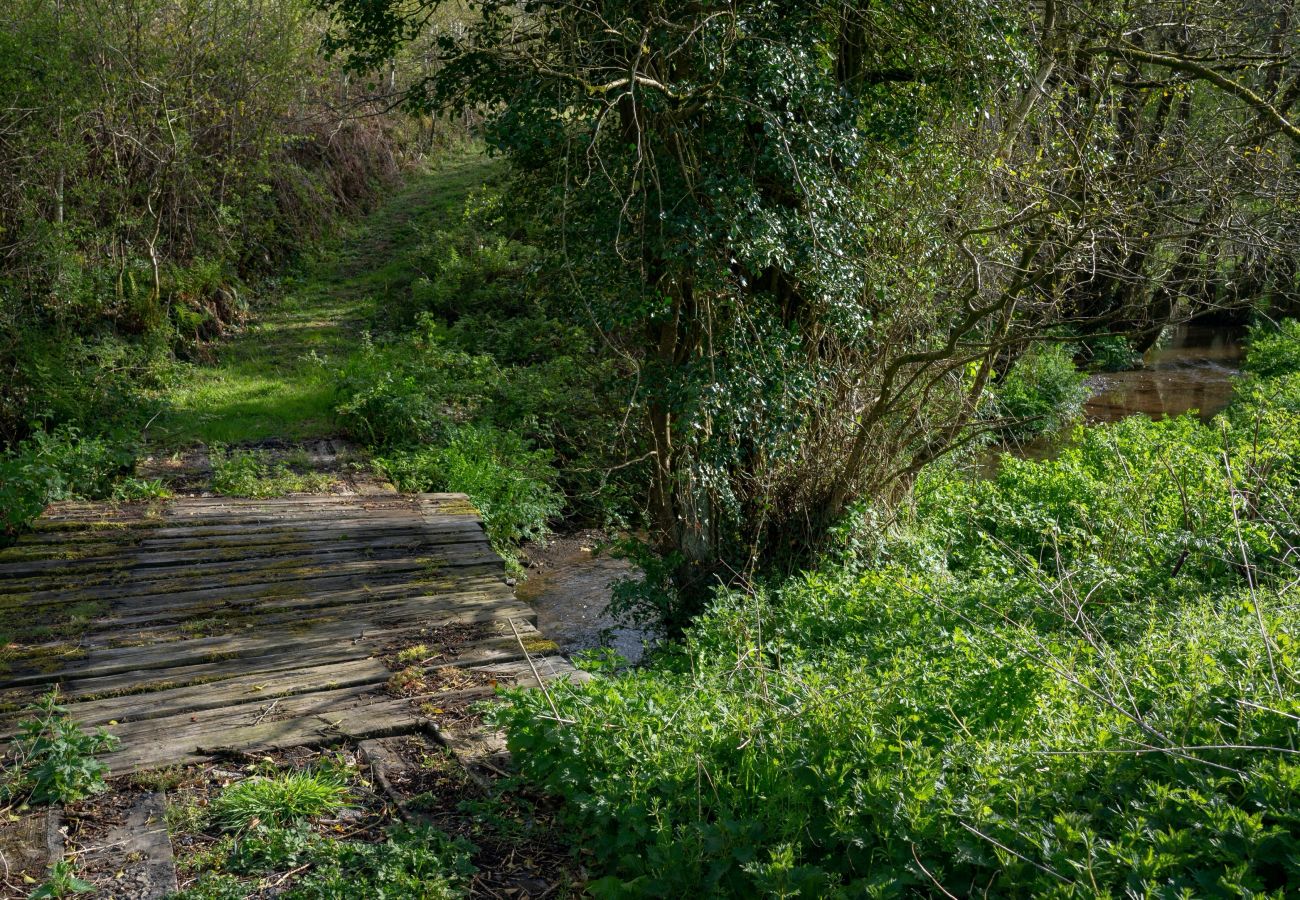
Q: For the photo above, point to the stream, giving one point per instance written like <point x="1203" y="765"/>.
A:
<point x="1191" y="368"/>
<point x="568" y="584"/>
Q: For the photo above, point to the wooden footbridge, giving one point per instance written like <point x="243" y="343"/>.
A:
<point x="195" y="627"/>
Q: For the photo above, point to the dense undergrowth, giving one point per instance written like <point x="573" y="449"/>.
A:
<point x="1078" y="678"/>
<point x="477" y="380"/>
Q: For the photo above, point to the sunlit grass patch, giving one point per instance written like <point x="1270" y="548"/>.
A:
<point x="275" y="379"/>
<point x="279" y="800"/>
<point x="255" y="473"/>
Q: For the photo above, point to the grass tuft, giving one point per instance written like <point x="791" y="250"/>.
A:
<point x="279" y="801"/>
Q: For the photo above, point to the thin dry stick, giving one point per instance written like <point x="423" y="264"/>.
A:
<point x="541" y="684"/>
<point x="266" y="712"/>
<point x="945" y="891"/>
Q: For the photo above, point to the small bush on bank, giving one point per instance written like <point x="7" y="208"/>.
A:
<point x="64" y="464"/>
<point x="410" y="392"/>
<point x="1274" y="350"/>
<point x="512" y="485"/>
<point x="1043" y="392"/>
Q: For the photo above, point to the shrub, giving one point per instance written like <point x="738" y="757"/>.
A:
<point x="1109" y="353"/>
<point x="1042" y="392"/>
<point x="214" y="886"/>
<point x="512" y="485"/>
<point x="410" y="392"/>
<point x="63" y="464"/>
<point x="1274" y="350"/>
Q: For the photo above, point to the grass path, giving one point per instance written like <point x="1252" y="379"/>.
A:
<point x="274" y="380"/>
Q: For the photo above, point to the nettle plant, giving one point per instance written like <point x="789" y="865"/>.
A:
<point x="53" y="759"/>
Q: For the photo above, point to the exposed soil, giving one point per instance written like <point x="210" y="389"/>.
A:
<point x="518" y="852"/>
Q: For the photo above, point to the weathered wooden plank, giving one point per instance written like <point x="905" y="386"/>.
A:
<point x="341" y="520"/>
<point x="163" y="615"/>
<point x="493" y="650"/>
<point x="298" y="639"/>
<point x="186" y="745"/>
<point x="301" y="593"/>
<point x="280" y="659"/>
<point x="124" y="567"/>
<point x="128" y="687"/>
<point x="186" y="513"/>
<point x="130" y="683"/>
<point x="143" y="587"/>
<point x="310" y="590"/>
<point x="138" y="848"/>
<point x="248" y="687"/>
<point x="311" y="720"/>
<point x="250" y="550"/>
<point x="258" y="617"/>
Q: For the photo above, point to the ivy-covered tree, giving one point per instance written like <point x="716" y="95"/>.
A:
<point x="715" y="177"/>
<point x="816" y="233"/>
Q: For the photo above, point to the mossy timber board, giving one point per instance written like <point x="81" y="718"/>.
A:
<point x="200" y="626"/>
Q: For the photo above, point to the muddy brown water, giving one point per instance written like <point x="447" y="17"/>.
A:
<point x="1191" y="369"/>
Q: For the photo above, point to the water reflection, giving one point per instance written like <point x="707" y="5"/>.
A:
<point x="1190" y="369"/>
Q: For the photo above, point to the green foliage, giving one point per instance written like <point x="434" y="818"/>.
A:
<point x="512" y="485"/>
<point x="52" y="760"/>
<point x="185" y="815"/>
<point x="1109" y="353"/>
<point x="411" y="392"/>
<point x="1273" y="351"/>
<point x="63" y="464"/>
<point x="722" y="225"/>
<point x="1043" y="391"/>
<point x="255" y="473"/>
<point x="1056" y="682"/>
<point x="262" y="848"/>
<point x="214" y="886"/>
<point x="63" y="882"/>
<point x="411" y="863"/>
<point x="481" y="370"/>
<point x="279" y="800"/>
<point x="414" y="863"/>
